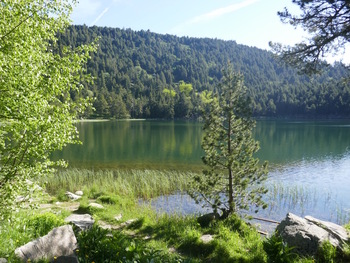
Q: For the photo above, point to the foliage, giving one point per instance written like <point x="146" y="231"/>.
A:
<point x="327" y="22"/>
<point x="326" y="253"/>
<point x="277" y="251"/>
<point x="41" y="224"/>
<point x="36" y="108"/>
<point x="97" y="246"/>
<point x="132" y="68"/>
<point x="232" y="178"/>
<point x="22" y="228"/>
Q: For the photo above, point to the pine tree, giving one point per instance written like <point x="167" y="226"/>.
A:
<point x="232" y="178"/>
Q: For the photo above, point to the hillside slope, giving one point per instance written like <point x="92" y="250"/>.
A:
<point x="148" y="75"/>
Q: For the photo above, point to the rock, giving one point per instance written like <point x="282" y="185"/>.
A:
<point x="337" y="231"/>
<point x="96" y="205"/>
<point x="130" y="221"/>
<point x="206" y="238"/>
<point x="118" y="217"/>
<point x="3" y="260"/>
<point x="58" y="242"/>
<point x="21" y="199"/>
<point x="80" y="193"/>
<point x="206" y="219"/>
<point x="306" y="236"/>
<point x="35" y="186"/>
<point x="72" y="196"/>
<point x="107" y="226"/>
<point x="127" y="223"/>
<point x="83" y="222"/>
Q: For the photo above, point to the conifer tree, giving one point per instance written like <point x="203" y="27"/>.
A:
<point x="233" y="176"/>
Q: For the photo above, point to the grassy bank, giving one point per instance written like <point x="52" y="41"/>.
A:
<point x="150" y="237"/>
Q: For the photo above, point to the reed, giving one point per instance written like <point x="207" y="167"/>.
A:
<point x="144" y="184"/>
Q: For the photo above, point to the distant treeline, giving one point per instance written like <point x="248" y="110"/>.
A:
<point x="148" y="75"/>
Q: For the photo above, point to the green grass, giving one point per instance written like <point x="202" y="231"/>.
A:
<point x="152" y="237"/>
<point x="137" y="183"/>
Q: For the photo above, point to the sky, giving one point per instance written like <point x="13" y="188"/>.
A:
<point x="249" y="22"/>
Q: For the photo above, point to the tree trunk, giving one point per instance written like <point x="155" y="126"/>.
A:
<point x="230" y="183"/>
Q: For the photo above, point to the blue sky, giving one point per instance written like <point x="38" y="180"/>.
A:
<point x="248" y="22"/>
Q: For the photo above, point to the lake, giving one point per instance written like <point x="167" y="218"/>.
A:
<point x="309" y="160"/>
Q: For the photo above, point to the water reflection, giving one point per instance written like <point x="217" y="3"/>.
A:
<point x="309" y="160"/>
<point x="177" y="144"/>
<point x="136" y="144"/>
<point x="285" y="141"/>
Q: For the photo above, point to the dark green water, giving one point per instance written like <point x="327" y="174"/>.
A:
<point x="177" y="144"/>
<point x="309" y="160"/>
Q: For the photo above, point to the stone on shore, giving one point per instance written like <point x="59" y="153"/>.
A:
<point x="60" y="241"/>
<point x="96" y="205"/>
<point x="72" y="196"/>
<point x="307" y="234"/>
<point x="83" y="222"/>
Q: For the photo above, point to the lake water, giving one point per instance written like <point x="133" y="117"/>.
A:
<point x="309" y="160"/>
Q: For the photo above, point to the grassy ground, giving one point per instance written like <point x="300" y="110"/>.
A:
<point x="151" y="237"/>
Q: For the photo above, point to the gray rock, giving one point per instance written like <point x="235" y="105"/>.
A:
<point x="96" y="205"/>
<point x="80" y="193"/>
<point x="305" y="235"/>
<point x="35" y="186"/>
<point x="3" y="260"/>
<point x="118" y="217"/>
<point x="206" y="238"/>
<point x="21" y="199"/>
<point x="83" y="222"/>
<point x="336" y="231"/>
<point x="72" y="196"/>
<point x="58" y="242"/>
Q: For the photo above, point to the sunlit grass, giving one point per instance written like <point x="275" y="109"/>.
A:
<point x="152" y="236"/>
<point x="137" y="183"/>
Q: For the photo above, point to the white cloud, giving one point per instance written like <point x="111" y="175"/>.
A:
<point x="213" y="14"/>
<point x="221" y="11"/>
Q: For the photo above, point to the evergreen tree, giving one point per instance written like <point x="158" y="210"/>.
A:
<point x="327" y="22"/>
<point x="232" y="178"/>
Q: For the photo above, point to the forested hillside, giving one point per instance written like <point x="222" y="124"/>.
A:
<point x="148" y="75"/>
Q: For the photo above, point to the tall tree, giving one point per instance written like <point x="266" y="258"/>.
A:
<point x="233" y="177"/>
<point x="328" y="24"/>
<point x="36" y="110"/>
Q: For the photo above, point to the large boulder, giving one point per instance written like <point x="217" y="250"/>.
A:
<point x="83" y="222"/>
<point x="307" y="234"/>
<point x="60" y="241"/>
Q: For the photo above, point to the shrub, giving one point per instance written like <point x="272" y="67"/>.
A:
<point x="41" y="224"/>
<point x="326" y="253"/>
<point x="106" y="199"/>
<point x="277" y="251"/>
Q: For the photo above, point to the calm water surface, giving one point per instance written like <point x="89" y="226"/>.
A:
<point x="309" y="160"/>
